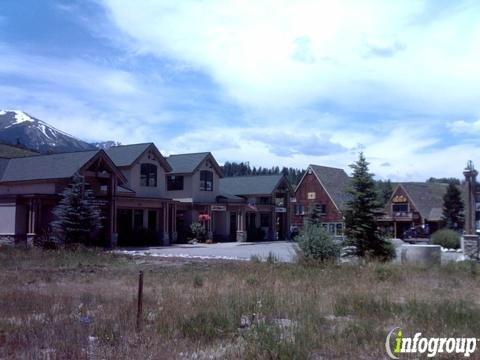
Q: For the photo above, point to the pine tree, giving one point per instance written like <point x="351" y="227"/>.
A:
<point x="360" y="220"/>
<point x="77" y="215"/>
<point x="316" y="216"/>
<point x="453" y="216"/>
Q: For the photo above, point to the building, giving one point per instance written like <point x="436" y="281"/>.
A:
<point x="30" y="188"/>
<point x="145" y="214"/>
<point x="194" y="183"/>
<point x="264" y="213"/>
<point x="230" y="209"/>
<point x="129" y="182"/>
<point x="324" y="188"/>
<point x="414" y="204"/>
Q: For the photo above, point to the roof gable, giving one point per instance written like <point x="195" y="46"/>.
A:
<point x="126" y="155"/>
<point x="189" y="163"/>
<point x="427" y="198"/>
<point x="251" y="185"/>
<point x="55" y="166"/>
<point x="42" y="167"/>
<point x="335" y="181"/>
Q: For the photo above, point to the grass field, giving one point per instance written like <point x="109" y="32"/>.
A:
<point x="82" y="304"/>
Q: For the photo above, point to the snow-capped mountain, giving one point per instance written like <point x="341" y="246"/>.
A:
<point x="17" y="127"/>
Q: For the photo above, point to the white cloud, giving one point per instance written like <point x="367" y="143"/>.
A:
<point x="288" y="53"/>
<point x="465" y="127"/>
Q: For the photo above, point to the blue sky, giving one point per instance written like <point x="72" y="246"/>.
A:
<point x="283" y="82"/>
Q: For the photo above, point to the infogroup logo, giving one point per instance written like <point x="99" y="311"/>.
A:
<point x="396" y="344"/>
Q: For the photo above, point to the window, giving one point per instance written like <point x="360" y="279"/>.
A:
<point x="174" y="182"/>
<point x="148" y="175"/>
<point x="339" y="230"/>
<point x="331" y="229"/>
<point x="396" y="208"/>
<point x="206" y="180"/>
<point x="299" y="209"/>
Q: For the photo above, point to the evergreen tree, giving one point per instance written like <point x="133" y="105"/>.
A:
<point x="360" y="220"/>
<point x="77" y="215"/>
<point x="316" y="215"/>
<point x="453" y="216"/>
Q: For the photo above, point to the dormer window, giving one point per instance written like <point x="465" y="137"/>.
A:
<point x="148" y="175"/>
<point x="206" y="180"/>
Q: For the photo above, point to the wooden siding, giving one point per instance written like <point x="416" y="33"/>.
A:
<point x="311" y="184"/>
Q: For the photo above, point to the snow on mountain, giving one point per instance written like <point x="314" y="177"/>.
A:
<point x="18" y="127"/>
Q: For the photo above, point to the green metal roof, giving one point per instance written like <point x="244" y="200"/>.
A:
<point x="250" y="185"/>
<point x="41" y="167"/>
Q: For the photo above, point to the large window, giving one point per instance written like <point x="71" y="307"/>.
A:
<point x="400" y="208"/>
<point x="148" y="175"/>
<point x="174" y="182"/>
<point x="206" y="180"/>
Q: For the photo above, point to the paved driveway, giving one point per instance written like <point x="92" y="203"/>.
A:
<point x="282" y="250"/>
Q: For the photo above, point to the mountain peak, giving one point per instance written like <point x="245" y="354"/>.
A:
<point x="18" y="127"/>
<point x="19" y="116"/>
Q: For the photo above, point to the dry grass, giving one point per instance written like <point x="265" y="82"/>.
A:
<point x="69" y="305"/>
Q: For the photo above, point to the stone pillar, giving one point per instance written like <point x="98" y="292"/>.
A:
<point x="274" y="234"/>
<point x="470" y="240"/>
<point x="241" y="233"/>
<point x="166" y="233"/>
<point x="174" y="223"/>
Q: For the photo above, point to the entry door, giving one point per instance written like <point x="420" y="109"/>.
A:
<point x="233" y="225"/>
<point x="152" y="221"/>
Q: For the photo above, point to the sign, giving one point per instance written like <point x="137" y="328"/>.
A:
<point x="219" y="208"/>
<point x="311" y="196"/>
<point x="280" y="209"/>
<point x="399" y="199"/>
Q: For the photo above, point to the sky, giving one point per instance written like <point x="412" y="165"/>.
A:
<point x="284" y="83"/>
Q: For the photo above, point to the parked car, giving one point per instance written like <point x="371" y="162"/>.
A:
<point x="415" y="232"/>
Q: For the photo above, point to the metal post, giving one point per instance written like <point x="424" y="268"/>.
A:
<point x="140" y="302"/>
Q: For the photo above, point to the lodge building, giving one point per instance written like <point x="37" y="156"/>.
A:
<point x="324" y="188"/>
<point x="146" y="199"/>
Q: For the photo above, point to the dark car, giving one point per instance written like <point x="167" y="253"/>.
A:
<point x="415" y="232"/>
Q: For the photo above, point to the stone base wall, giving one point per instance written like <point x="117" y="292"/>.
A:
<point x="25" y="240"/>
<point x="241" y="236"/>
<point x="7" y="239"/>
<point x="470" y="245"/>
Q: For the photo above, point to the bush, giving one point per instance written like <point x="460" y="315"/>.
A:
<point x="316" y="244"/>
<point x="446" y="238"/>
<point x="198" y="230"/>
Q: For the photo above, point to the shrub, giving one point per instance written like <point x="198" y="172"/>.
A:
<point x="446" y="238"/>
<point x="316" y="244"/>
<point x="198" y="231"/>
<point x="197" y="280"/>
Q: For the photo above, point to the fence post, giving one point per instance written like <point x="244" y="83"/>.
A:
<point x="140" y="302"/>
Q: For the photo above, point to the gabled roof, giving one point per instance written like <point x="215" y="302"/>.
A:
<point x="126" y="155"/>
<point x="54" y="166"/>
<point x="10" y="151"/>
<point x="335" y="181"/>
<point x="250" y="185"/>
<point x="189" y="163"/>
<point x="426" y="197"/>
